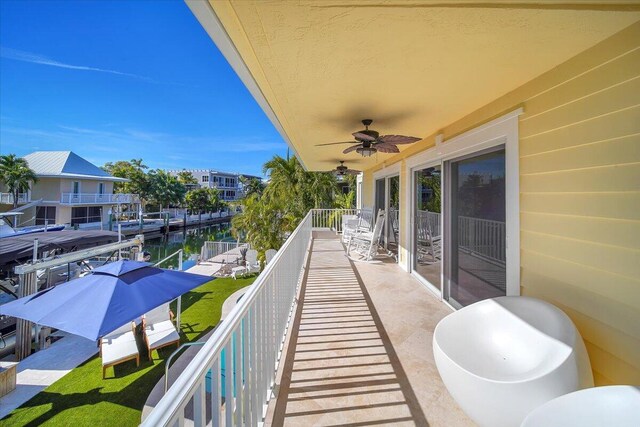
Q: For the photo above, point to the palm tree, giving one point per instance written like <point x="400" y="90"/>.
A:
<point x="165" y="188"/>
<point x="16" y="175"/>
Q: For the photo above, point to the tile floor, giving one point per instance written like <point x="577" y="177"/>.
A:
<point x="359" y="352"/>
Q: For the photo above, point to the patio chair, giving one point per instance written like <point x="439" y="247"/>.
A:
<point x="159" y="330"/>
<point x="269" y="254"/>
<point x="365" y="243"/>
<point x="429" y="247"/>
<point x="119" y="346"/>
<point x="251" y="261"/>
<point x="352" y="224"/>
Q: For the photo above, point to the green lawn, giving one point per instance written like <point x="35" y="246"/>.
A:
<point x="82" y="397"/>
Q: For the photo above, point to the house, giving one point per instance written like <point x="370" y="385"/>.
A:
<point x="70" y="190"/>
<point x="529" y="127"/>
<point x="229" y="184"/>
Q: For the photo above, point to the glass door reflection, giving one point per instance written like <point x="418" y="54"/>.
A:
<point x="427" y="236"/>
<point x="475" y="261"/>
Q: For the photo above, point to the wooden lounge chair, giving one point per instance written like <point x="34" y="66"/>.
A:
<point x="159" y="330"/>
<point x="119" y="346"/>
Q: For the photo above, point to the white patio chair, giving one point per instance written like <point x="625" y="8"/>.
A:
<point x="251" y="261"/>
<point x="159" y="330"/>
<point x="269" y="254"/>
<point x="119" y="346"/>
<point x="352" y="224"/>
<point x="365" y="243"/>
<point x="429" y="246"/>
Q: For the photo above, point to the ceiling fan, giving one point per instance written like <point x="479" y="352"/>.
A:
<point x="342" y="170"/>
<point x="369" y="141"/>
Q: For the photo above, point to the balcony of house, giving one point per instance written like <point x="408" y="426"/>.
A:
<point x="7" y="198"/>
<point x="97" y="198"/>
<point x="320" y="339"/>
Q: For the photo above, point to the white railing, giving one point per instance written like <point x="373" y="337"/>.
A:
<point x="331" y="218"/>
<point x="483" y="237"/>
<point x="237" y="365"/>
<point x="212" y="249"/>
<point x="7" y="198"/>
<point x="97" y="198"/>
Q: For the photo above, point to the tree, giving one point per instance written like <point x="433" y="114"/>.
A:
<point x="165" y="189"/>
<point x="266" y="219"/>
<point x="187" y="178"/>
<point x="16" y="175"/>
<point x="214" y="203"/>
<point x="197" y="200"/>
<point x="135" y="172"/>
<point x="252" y="186"/>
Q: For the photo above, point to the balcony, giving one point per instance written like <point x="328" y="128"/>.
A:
<point x="319" y="340"/>
<point x="97" y="198"/>
<point x="7" y="198"/>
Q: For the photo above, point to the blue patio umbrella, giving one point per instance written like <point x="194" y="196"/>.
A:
<point x="112" y="295"/>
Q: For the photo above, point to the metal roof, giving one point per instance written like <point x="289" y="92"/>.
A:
<point x="66" y="164"/>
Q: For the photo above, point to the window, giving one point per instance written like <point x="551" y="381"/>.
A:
<point x="101" y="188"/>
<point x="76" y="187"/>
<point x="84" y="215"/>
<point x="45" y="214"/>
<point x="205" y="178"/>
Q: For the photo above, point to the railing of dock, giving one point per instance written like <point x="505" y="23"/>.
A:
<point x="212" y="249"/>
<point x="242" y="355"/>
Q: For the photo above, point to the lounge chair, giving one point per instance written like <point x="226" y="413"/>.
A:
<point x="159" y="330"/>
<point x="269" y="254"/>
<point x="365" y="243"/>
<point x="251" y="261"/>
<point x="119" y="346"/>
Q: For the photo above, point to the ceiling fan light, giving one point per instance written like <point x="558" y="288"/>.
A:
<point x="366" y="151"/>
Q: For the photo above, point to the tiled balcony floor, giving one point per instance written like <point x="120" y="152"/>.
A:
<point x="359" y="352"/>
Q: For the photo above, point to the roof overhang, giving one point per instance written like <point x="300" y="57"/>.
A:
<point x="79" y="176"/>
<point x="318" y="68"/>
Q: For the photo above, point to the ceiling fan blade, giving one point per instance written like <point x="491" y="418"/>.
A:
<point x="336" y="143"/>
<point x="352" y="148"/>
<point x="353" y="172"/>
<point x="398" y="139"/>
<point x="363" y="136"/>
<point x="384" y="147"/>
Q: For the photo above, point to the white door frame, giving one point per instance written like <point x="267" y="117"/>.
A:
<point x="386" y="173"/>
<point x="503" y="130"/>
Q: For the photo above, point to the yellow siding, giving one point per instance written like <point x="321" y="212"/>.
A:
<point x="579" y="195"/>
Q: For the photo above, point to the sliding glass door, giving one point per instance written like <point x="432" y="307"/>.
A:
<point x="475" y="234"/>
<point x="427" y="236"/>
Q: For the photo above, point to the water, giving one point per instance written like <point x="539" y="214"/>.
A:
<point x="190" y="241"/>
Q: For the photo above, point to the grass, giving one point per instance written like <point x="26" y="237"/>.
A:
<point x="82" y="397"/>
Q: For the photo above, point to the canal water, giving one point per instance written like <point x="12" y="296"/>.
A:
<point x="190" y="241"/>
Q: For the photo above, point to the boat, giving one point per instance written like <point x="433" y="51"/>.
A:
<point x="8" y="229"/>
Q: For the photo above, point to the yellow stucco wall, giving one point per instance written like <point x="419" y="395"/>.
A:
<point x="579" y="195"/>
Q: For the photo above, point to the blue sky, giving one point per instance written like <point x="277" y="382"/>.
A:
<point x="125" y="79"/>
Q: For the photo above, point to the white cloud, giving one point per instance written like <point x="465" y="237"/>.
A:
<point x="34" y="58"/>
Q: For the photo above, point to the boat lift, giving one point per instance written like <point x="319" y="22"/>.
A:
<point x="28" y="280"/>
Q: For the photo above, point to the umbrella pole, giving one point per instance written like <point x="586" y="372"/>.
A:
<point x="23" y="327"/>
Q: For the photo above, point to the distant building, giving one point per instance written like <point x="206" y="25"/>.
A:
<point x="70" y="190"/>
<point x="228" y="183"/>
